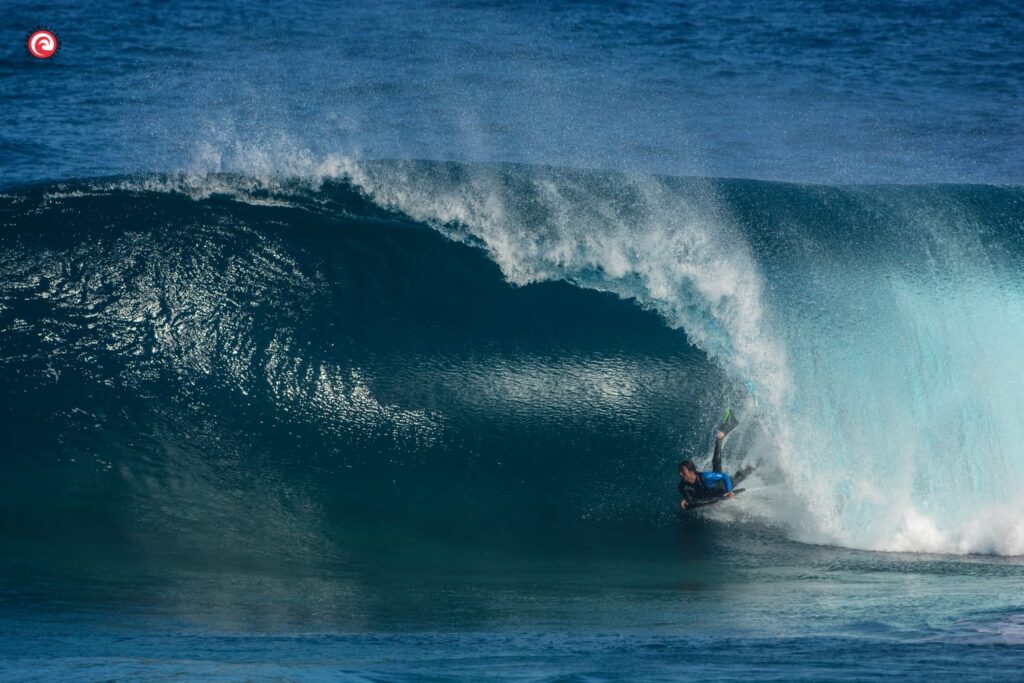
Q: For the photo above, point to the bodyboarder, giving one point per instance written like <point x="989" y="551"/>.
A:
<point x="702" y="488"/>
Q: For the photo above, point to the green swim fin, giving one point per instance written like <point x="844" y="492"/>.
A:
<point x="729" y="421"/>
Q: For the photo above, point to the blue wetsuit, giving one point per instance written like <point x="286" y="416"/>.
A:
<point x="708" y="485"/>
<point x="713" y="479"/>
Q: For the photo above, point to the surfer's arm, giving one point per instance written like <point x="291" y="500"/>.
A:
<point x="685" y="502"/>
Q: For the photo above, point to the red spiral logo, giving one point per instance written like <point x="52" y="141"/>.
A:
<point x="42" y="44"/>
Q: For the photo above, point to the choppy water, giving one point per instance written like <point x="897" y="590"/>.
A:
<point x="808" y="91"/>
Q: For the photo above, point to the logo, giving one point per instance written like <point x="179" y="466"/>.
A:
<point x="42" y="43"/>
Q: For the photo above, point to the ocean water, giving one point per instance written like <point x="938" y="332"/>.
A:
<point x="362" y="342"/>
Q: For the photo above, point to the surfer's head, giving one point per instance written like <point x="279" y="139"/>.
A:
<point x="688" y="471"/>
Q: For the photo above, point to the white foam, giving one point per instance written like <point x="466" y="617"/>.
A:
<point x="997" y="530"/>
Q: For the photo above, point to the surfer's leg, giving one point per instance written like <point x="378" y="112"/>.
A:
<point x="742" y="474"/>
<point x="729" y="423"/>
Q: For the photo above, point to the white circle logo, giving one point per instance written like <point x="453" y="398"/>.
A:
<point x="42" y="44"/>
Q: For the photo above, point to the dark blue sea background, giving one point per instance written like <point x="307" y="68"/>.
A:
<point x="361" y="341"/>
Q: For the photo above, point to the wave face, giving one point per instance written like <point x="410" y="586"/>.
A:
<point x="189" y="361"/>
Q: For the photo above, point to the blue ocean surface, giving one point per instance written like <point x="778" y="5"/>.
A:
<point x="362" y="342"/>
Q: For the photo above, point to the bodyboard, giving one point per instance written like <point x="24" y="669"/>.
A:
<point x="710" y="501"/>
